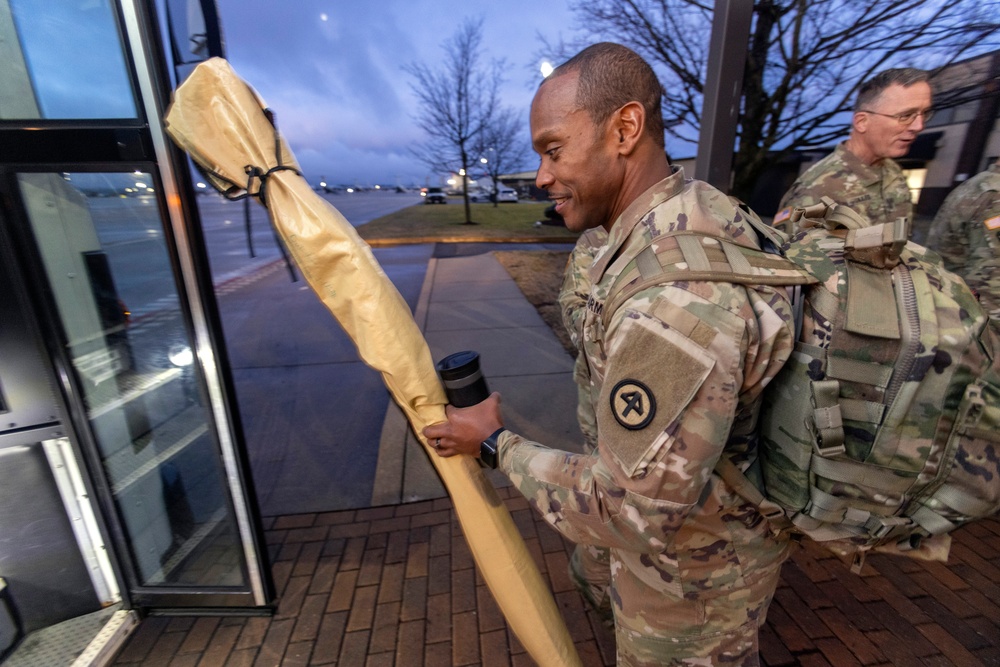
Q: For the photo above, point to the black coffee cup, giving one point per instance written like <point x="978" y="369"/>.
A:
<point x="464" y="384"/>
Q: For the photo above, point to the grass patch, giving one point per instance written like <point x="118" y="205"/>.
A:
<point x="432" y="222"/>
<point x="539" y="275"/>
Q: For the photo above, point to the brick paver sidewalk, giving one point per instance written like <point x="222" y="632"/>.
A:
<point x="397" y="585"/>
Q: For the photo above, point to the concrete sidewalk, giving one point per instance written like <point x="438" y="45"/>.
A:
<point x="394" y="584"/>
<point x="472" y="303"/>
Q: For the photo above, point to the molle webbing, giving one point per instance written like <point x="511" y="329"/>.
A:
<point x="829" y="214"/>
<point x="694" y="256"/>
<point x="855" y="370"/>
<point x="886" y="240"/>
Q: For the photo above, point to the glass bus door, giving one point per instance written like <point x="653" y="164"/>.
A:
<point x="99" y="233"/>
<point x="105" y="266"/>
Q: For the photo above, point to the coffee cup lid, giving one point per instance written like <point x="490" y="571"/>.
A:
<point x="458" y="365"/>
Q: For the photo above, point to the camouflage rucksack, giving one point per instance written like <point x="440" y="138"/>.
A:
<point x="883" y="428"/>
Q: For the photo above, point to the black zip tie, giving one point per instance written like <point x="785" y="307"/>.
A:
<point x="255" y="172"/>
<point x="246" y="226"/>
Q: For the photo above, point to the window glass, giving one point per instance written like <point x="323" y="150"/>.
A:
<point x="64" y="61"/>
<point x="108" y="268"/>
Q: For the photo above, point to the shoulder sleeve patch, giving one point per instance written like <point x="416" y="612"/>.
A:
<point x="652" y="375"/>
<point x="633" y="404"/>
<point x="993" y="223"/>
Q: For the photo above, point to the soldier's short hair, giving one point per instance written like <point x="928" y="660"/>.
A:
<point x="875" y="86"/>
<point x="611" y="76"/>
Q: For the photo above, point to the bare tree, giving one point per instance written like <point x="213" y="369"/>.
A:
<point x="502" y="146"/>
<point x="805" y="59"/>
<point x="457" y="103"/>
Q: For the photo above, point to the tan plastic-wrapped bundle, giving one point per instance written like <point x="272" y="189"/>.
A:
<point x="220" y="121"/>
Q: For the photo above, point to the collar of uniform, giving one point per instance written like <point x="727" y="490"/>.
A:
<point x="886" y="173"/>
<point x="631" y="216"/>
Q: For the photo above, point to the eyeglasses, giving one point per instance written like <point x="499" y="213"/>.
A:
<point x="906" y="117"/>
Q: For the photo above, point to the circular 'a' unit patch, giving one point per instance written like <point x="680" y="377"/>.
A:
<point x="633" y="404"/>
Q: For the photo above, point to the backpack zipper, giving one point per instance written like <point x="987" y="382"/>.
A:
<point x="903" y="282"/>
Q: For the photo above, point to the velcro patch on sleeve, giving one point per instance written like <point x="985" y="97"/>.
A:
<point x="993" y="223"/>
<point x="652" y="375"/>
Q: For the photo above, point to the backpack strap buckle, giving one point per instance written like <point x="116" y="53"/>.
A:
<point x="776" y="518"/>
<point x="880" y="527"/>
<point x="858" y="562"/>
<point x="879" y="245"/>
<point x="827" y="418"/>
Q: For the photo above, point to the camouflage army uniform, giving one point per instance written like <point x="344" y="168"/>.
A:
<point x="678" y="375"/>
<point x="590" y="565"/>
<point x="573" y="303"/>
<point x="965" y="233"/>
<point x="880" y="193"/>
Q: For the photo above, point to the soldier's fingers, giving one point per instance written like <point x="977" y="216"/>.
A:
<point x="435" y="431"/>
<point x="444" y="450"/>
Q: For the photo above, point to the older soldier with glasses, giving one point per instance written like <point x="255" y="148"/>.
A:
<point x="890" y="111"/>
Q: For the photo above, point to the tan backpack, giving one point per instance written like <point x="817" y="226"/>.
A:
<point x="883" y="428"/>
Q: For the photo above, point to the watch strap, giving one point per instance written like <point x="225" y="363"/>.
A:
<point x="488" y="448"/>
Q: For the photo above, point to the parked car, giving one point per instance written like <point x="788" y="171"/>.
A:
<point x="503" y="194"/>
<point x="434" y="196"/>
<point x="507" y="194"/>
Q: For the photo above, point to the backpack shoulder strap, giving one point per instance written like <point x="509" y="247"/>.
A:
<point x="746" y="489"/>
<point x="828" y="214"/>
<point x="688" y="255"/>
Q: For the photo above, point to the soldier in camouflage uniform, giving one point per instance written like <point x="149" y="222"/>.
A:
<point x="590" y="565"/>
<point x="965" y="233"/>
<point x="678" y="374"/>
<point x="889" y="113"/>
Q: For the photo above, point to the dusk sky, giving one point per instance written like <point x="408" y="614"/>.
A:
<point x="332" y="72"/>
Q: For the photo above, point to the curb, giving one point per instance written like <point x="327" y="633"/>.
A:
<point x="396" y="442"/>
<point x="381" y="243"/>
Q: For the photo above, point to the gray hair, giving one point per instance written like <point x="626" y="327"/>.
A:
<point x="871" y="89"/>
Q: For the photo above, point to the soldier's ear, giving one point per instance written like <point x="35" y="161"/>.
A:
<point x="629" y="124"/>
<point x="860" y="121"/>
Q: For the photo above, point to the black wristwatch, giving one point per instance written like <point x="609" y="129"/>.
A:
<point x="488" y="449"/>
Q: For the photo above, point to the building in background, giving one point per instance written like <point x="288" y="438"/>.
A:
<point x="967" y="139"/>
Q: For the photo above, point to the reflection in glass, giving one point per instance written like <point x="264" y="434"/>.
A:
<point x="109" y="272"/>
<point x="65" y="61"/>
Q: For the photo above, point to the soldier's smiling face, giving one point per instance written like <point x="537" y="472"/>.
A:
<point x="882" y="136"/>
<point x="579" y="159"/>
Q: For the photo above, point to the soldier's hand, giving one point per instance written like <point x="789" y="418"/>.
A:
<point x="466" y="428"/>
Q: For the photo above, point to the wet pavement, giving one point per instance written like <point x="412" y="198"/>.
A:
<point x="367" y="557"/>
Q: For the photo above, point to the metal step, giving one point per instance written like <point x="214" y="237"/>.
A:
<point x="90" y="640"/>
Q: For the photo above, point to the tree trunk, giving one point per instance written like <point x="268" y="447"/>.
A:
<point x="465" y="189"/>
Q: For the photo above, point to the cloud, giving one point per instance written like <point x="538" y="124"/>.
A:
<point x="333" y="72"/>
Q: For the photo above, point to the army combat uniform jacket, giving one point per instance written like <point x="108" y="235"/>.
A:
<point x="966" y="232"/>
<point x="879" y="193"/>
<point x="676" y="382"/>
<point x="573" y="298"/>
